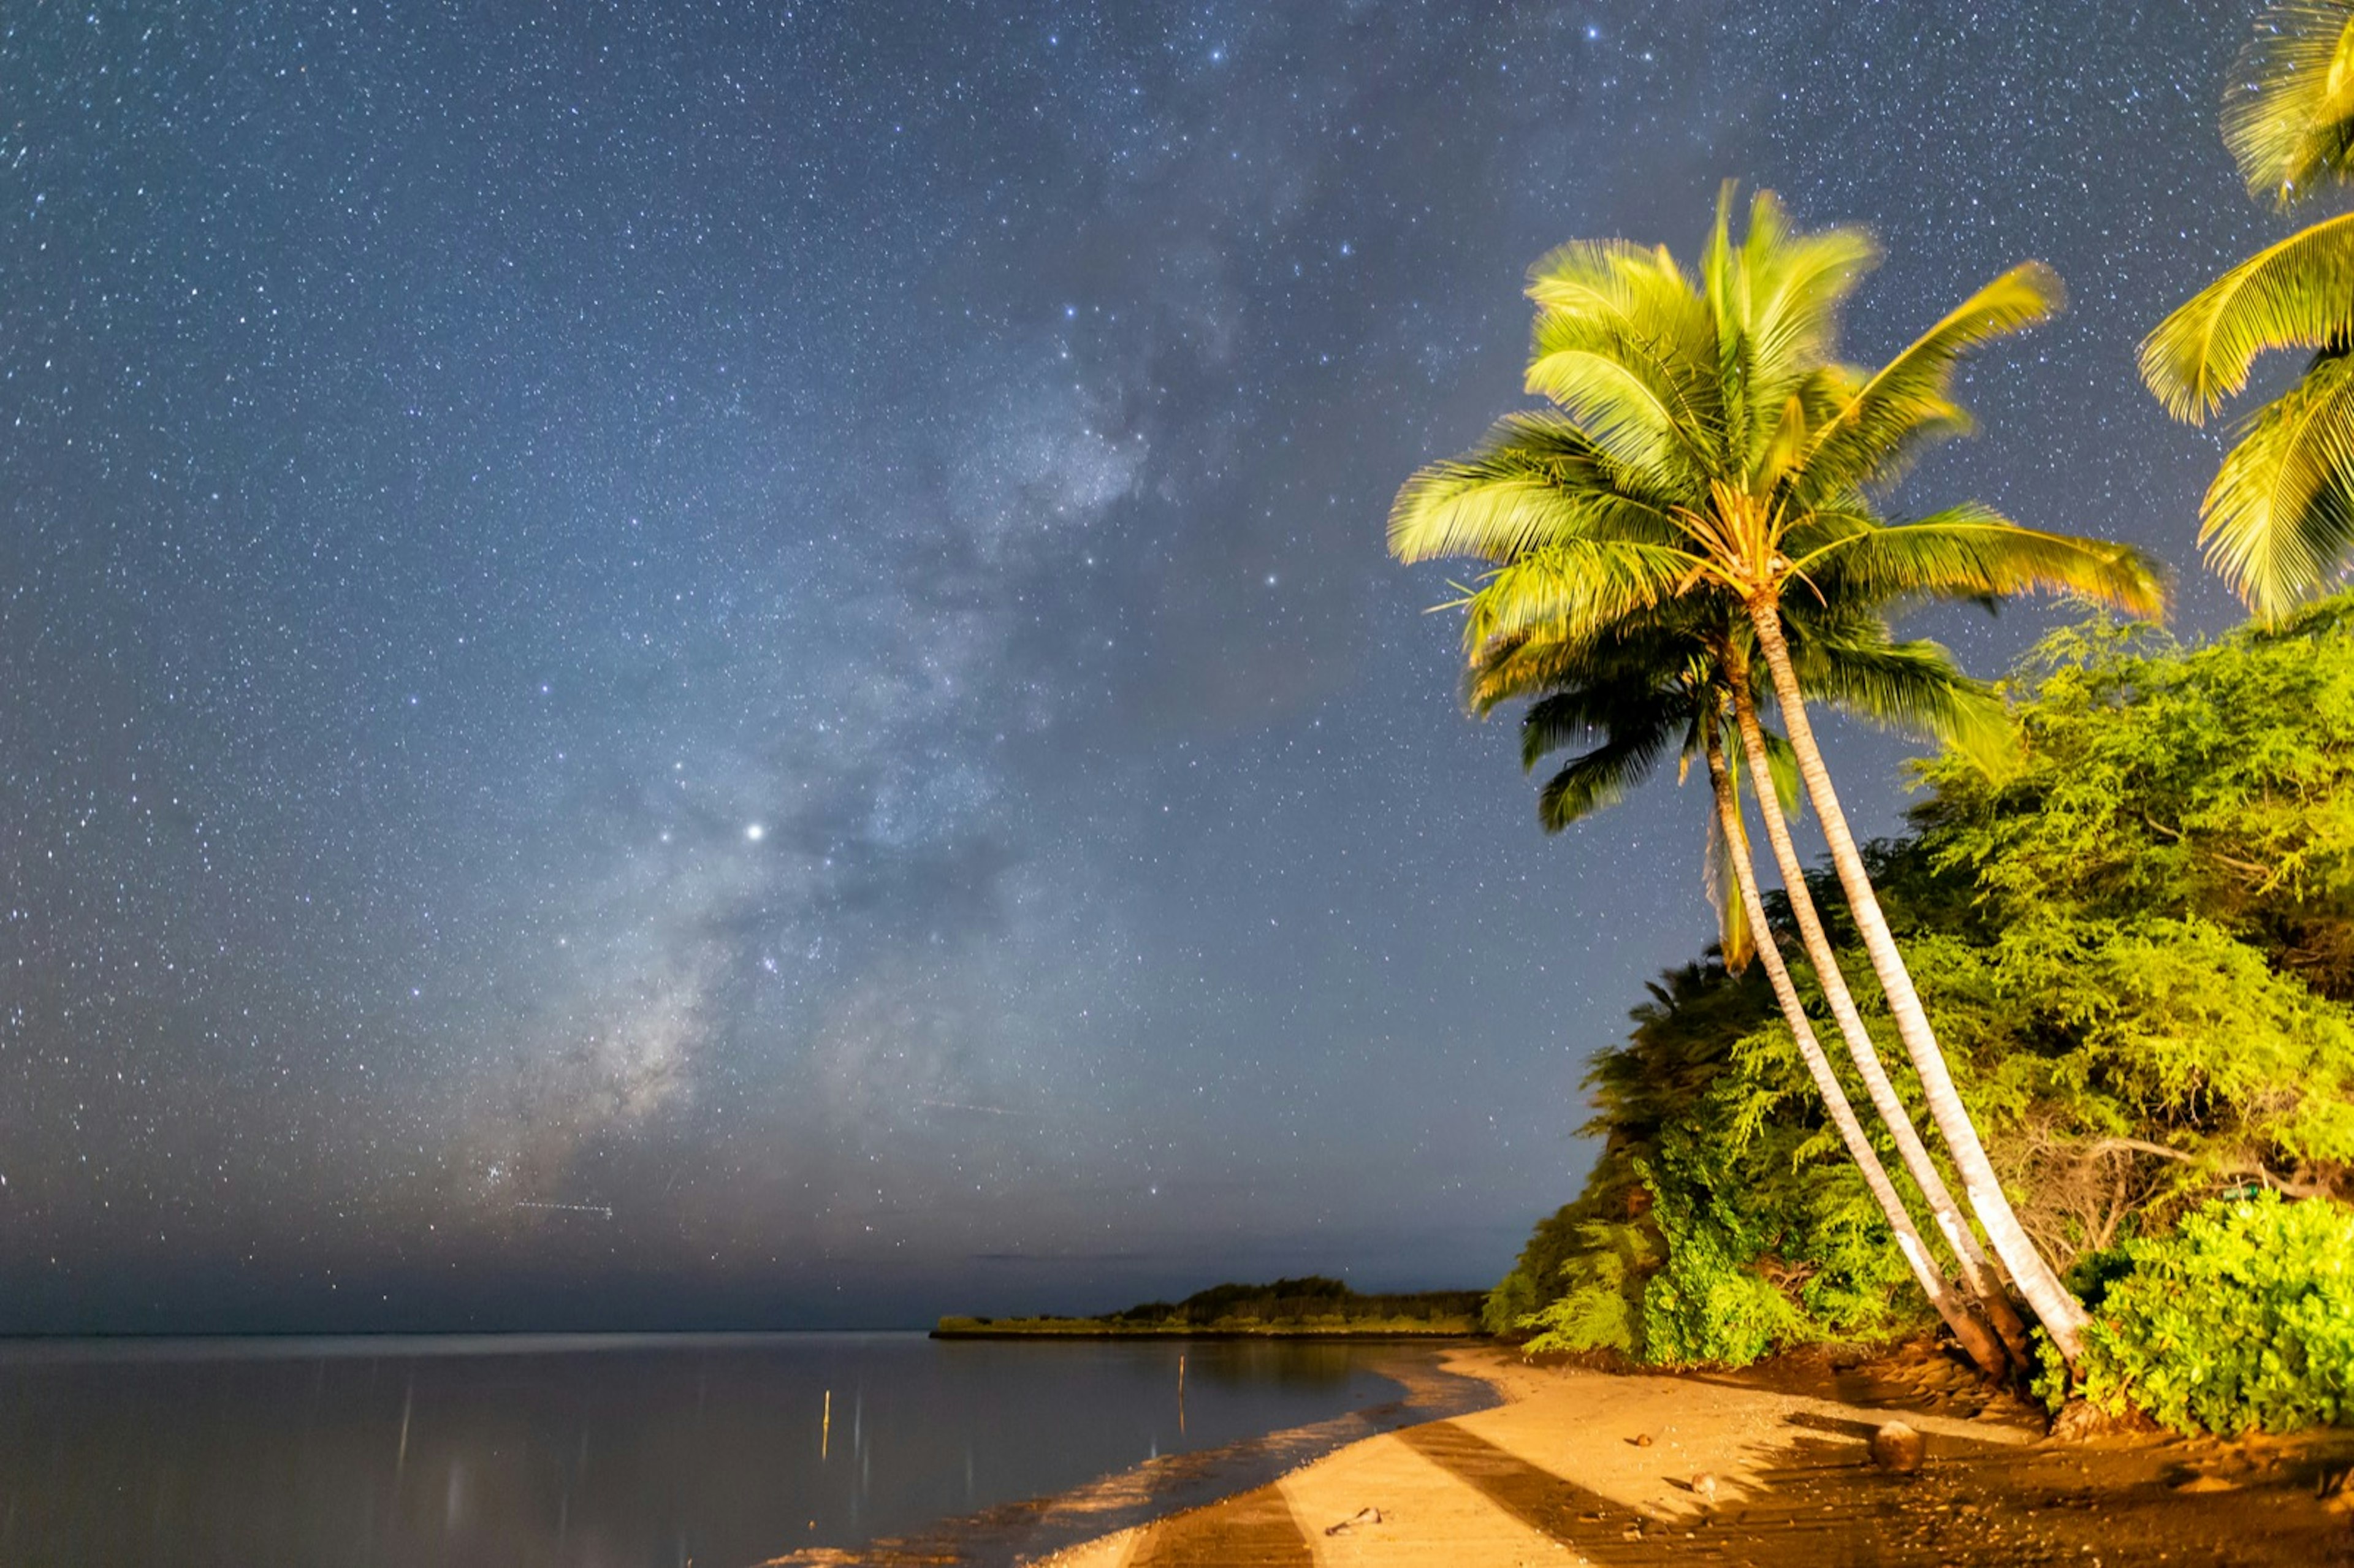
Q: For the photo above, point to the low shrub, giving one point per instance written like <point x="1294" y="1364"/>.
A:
<point x="1708" y="1307"/>
<point x="1677" y="1289"/>
<point x="2242" y="1319"/>
<point x="1602" y="1309"/>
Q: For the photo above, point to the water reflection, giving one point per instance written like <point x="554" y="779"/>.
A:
<point x="591" y="1451"/>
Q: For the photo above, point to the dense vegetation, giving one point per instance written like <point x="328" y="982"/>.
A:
<point x="1310" y="1305"/>
<point x="2137" y="946"/>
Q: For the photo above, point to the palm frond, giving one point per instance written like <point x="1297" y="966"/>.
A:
<point x="1534" y="479"/>
<point x="1908" y="402"/>
<point x="1782" y="767"/>
<point x="1619" y="343"/>
<point x="1913" y="687"/>
<point x="1644" y="422"/>
<point x="1966" y="552"/>
<point x="1508" y="668"/>
<point x="1602" y="776"/>
<point x="2299" y="293"/>
<point x="1587" y="712"/>
<point x="1777" y="299"/>
<point x="1736" y="941"/>
<point x="2278" y="522"/>
<point x="2289" y="113"/>
<point x="1669" y="643"/>
<point x="1573" y="589"/>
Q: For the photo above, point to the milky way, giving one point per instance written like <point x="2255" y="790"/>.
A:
<point x="680" y="664"/>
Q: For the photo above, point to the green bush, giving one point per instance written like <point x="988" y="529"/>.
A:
<point x="2243" y="1318"/>
<point x="1605" y="1282"/>
<point x="1707" y="1305"/>
<point x="1679" y="1287"/>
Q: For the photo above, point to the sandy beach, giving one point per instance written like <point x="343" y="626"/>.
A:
<point x="1768" y="1467"/>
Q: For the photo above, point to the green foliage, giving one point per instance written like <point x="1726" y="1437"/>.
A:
<point x="2243" y="1318"/>
<point x="1707" y="1306"/>
<point x="1722" y="1221"/>
<point x="2136" y="943"/>
<point x="1606" y="1278"/>
<point x="2141" y="938"/>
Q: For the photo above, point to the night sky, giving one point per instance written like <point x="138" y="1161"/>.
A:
<point x="674" y="664"/>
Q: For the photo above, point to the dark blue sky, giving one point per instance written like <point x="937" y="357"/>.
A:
<point x="675" y="663"/>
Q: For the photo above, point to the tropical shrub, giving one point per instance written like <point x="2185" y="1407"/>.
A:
<point x="1709" y="1303"/>
<point x="1607" y="1281"/>
<point x="2243" y="1318"/>
<point x="1722" y="1221"/>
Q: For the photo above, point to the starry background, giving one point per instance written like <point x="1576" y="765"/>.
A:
<point x="674" y="664"/>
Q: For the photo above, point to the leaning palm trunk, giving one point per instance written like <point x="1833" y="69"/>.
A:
<point x="1967" y="1327"/>
<point x="2062" y="1316"/>
<point x="1977" y="1272"/>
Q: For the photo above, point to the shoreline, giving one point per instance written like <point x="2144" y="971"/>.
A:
<point x="1082" y="1328"/>
<point x="1432" y="1385"/>
<point x="1768" y="1467"/>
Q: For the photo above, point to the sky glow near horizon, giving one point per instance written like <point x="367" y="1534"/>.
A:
<point x="689" y="664"/>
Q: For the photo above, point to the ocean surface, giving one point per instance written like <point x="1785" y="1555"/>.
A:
<point x="720" y="1451"/>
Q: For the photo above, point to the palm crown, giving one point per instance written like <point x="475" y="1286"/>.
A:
<point x="1704" y="433"/>
<point x="2278" y="521"/>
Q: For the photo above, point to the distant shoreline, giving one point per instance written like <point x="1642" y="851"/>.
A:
<point x="1101" y="1328"/>
<point x="1308" y="1307"/>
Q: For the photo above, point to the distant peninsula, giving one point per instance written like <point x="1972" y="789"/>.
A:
<point x="1312" y="1307"/>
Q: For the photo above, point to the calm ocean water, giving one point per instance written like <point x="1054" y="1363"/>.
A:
<point x="720" y="1451"/>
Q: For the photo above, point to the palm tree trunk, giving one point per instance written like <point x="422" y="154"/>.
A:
<point x="2062" y="1315"/>
<point x="1975" y="1339"/>
<point x="1977" y="1274"/>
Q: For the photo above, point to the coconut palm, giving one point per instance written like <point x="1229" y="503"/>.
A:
<point x="1705" y="438"/>
<point x="1844" y="656"/>
<point x="1663" y="686"/>
<point x="2278" y="522"/>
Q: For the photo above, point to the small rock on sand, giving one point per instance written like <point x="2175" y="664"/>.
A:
<point x="1641" y="1439"/>
<point x="1897" y="1448"/>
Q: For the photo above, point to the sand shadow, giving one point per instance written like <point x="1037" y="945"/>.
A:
<point x="1599" y="1530"/>
<point x="1256" y="1529"/>
<point x="1821" y="1505"/>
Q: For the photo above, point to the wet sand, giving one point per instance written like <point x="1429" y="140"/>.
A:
<point x="1768" y="1467"/>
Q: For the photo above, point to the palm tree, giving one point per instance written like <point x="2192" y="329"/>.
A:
<point x="1665" y="685"/>
<point x="1706" y="438"/>
<point x="1846" y="656"/>
<point x="2278" y="522"/>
